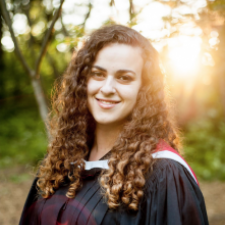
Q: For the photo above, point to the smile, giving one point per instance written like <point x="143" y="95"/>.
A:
<point x="106" y="104"/>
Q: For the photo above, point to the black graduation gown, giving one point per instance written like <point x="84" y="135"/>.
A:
<point x="171" y="197"/>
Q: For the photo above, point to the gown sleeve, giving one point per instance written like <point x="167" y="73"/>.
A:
<point x="172" y="197"/>
<point x="31" y="198"/>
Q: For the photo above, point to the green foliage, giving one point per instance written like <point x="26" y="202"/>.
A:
<point x="13" y="80"/>
<point x="22" y="134"/>
<point x="23" y="140"/>
<point x="204" y="148"/>
<point x="18" y="178"/>
<point x="217" y="5"/>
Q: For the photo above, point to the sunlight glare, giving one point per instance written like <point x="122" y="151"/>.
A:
<point x="7" y="43"/>
<point x="38" y="28"/>
<point x="150" y="22"/>
<point x="62" y="47"/>
<point x="98" y="16"/>
<point x="213" y="41"/>
<point x="122" y="12"/>
<point x="20" y="25"/>
<point x="190" y="29"/>
<point x="214" y="33"/>
<point x="207" y="59"/>
<point x="184" y="55"/>
<point x="152" y="15"/>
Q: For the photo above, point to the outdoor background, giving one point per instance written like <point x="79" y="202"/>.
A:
<point x="38" y="39"/>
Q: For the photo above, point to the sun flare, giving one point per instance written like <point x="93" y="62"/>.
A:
<point x="184" y="55"/>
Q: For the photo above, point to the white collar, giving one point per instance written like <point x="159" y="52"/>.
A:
<point x="103" y="164"/>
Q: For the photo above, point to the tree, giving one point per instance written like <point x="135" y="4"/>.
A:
<point x="33" y="73"/>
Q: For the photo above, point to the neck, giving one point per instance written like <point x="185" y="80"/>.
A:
<point x="105" y="137"/>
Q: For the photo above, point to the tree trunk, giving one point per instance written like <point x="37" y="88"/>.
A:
<point x="41" y="100"/>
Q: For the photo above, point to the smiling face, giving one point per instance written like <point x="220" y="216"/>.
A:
<point x="114" y="83"/>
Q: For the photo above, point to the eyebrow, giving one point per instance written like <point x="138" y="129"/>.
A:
<point x="119" y="71"/>
<point x="100" y="68"/>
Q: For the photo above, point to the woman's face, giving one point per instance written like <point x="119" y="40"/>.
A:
<point x="114" y="83"/>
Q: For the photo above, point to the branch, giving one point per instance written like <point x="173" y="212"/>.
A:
<point x="65" y="32"/>
<point x="131" y="9"/>
<point x="7" y="19"/>
<point x="46" y="39"/>
<point x="26" y="11"/>
<point x="88" y="14"/>
<point x="112" y="2"/>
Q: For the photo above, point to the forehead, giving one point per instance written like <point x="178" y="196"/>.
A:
<point x="120" y="56"/>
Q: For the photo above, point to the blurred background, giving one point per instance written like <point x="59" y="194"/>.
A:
<point x="38" y="39"/>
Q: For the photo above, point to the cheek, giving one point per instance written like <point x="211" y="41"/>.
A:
<point x="130" y="93"/>
<point x="92" y="87"/>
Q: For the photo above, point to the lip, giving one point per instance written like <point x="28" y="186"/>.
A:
<point x="111" y="103"/>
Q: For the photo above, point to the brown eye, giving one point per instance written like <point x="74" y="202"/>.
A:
<point x="125" y="78"/>
<point x="97" y="74"/>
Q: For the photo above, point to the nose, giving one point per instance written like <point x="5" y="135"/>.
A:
<point x="108" y="86"/>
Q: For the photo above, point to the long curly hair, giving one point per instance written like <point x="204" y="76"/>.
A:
<point x="72" y="126"/>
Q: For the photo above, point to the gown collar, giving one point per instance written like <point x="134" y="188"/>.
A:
<point x="93" y="168"/>
<point x="163" y="150"/>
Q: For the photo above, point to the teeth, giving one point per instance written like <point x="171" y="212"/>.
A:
<point x="107" y="102"/>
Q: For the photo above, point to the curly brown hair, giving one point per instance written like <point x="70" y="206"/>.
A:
<point x="72" y="126"/>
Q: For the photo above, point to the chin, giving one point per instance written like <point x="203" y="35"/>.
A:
<point x="110" y="121"/>
<point x="105" y="122"/>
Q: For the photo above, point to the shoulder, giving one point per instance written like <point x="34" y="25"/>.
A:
<point x="172" y="195"/>
<point x="33" y="193"/>
<point x="169" y="166"/>
<point x="166" y="172"/>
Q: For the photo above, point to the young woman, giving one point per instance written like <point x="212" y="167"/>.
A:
<point x="113" y="157"/>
